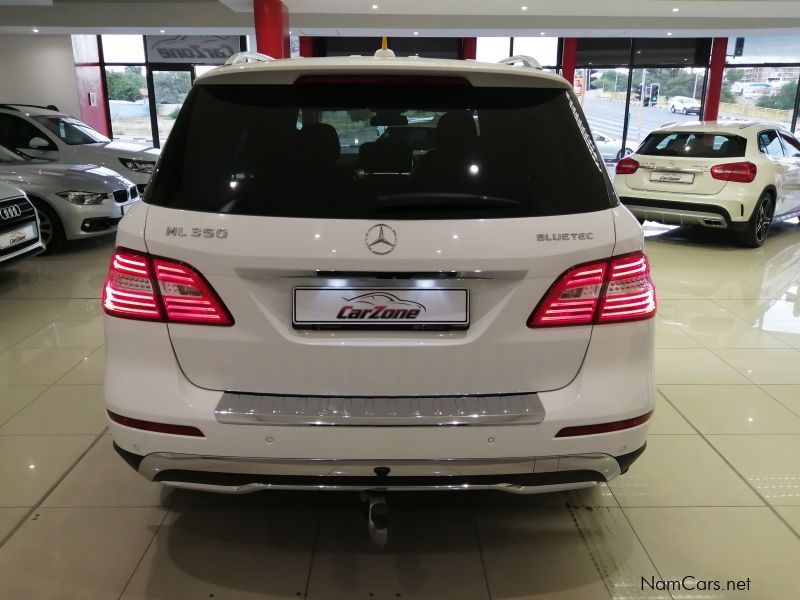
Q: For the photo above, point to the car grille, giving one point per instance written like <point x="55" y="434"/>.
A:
<point x="14" y="212"/>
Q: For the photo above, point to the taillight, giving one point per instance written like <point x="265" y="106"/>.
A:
<point x="739" y="172"/>
<point x="140" y="286"/>
<point x="604" y="427"/>
<point x="610" y="291"/>
<point x="627" y="166"/>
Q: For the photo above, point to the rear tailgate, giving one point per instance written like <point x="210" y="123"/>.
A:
<point x="255" y="268"/>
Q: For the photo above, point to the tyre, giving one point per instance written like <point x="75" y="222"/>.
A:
<point x="672" y="109"/>
<point x="50" y="226"/>
<point x="758" y="225"/>
<point x="686" y="112"/>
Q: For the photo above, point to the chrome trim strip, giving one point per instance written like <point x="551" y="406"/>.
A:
<point x="273" y="409"/>
<point x="501" y="487"/>
<point x="153" y="464"/>
<point x="677" y="216"/>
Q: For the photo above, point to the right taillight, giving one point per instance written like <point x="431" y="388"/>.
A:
<point x="140" y="286"/>
<point x="611" y="291"/>
<point x="740" y="172"/>
<point x="627" y="166"/>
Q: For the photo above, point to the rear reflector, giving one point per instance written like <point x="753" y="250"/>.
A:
<point x="156" y="427"/>
<point x="604" y="427"/>
<point x="612" y="291"/>
<point x="627" y="166"/>
<point x="384" y="80"/>
<point x="140" y="286"/>
<point x="739" y="172"/>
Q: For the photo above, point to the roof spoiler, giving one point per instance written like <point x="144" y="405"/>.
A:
<point x="13" y="106"/>
<point x="247" y="57"/>
<point x="523" y="60"/>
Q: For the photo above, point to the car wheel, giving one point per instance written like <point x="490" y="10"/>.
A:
<point x="50" y="226"/>
<point x="758" y="226"/>
<point x="672" y="108"/>
<point x="686" y="112"/>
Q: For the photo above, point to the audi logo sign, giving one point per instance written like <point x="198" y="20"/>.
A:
<point x="10" y="212"/>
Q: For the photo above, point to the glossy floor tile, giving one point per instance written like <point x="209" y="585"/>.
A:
<point x="716" y="495"/>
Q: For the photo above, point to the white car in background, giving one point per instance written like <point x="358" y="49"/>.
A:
<point x="44" y="132"/>
<point x="72" y="201"/>
<point x="19" y="227"/>
<point x="684" y="105"/>
<point x="734" y="175"/>
<point x="289" y="316"/>
<point x="610" y="148"/>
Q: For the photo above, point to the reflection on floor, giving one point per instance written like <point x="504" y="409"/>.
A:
<point x="715" y="497"/>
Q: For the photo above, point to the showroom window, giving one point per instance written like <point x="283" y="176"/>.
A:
<point x="147" y="79"/>
<point x="761" y="81"/>
<point x="493" y="49"/>
<point x="544" y="49"/>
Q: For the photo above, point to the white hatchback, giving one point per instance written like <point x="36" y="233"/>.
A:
<point x="299" y="304"/>
<point x="733" y="175"/>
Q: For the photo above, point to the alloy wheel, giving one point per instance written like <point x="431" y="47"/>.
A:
<point x="763" y="219"/>
<point x="45" y="228"/>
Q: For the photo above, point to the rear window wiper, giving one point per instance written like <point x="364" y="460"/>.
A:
<point x="442" y="200"/>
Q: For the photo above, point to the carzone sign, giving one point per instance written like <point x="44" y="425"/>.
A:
<point x="208" y="49"/>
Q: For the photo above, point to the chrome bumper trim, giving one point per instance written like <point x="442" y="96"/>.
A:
<point x="273" y="409"/>
<point x="155" y="464"/>
<point x="676" y="216"/>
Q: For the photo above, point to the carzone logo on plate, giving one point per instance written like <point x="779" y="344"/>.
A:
<point x="379" y="305"/>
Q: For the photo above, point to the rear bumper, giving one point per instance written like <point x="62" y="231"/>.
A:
<point x="236" y="475"/>
<point x="682" y="213"/>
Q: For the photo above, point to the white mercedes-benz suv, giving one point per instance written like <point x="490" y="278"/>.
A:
<point x="300" y="305"/>
<point x="735" y="175"/>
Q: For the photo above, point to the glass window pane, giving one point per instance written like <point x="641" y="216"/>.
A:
<point x="123" y="48"/>
<point x="543" y="49"/>
<point x="604" y="105"/>
<point x="493" y="49"/>
<point x="760" y="93"/>
<point x="603" y="51"/>
<point x="772" y="49"/>
<point x="127" y="104"/>
<point x="171" y="89"/>
<point x="672" y="51"/>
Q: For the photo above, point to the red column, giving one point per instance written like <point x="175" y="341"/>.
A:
<point x="469" y="48"/>
<point x="716" y="72"/>
<point x="272" y="28"/>
<point x="569" y="58"/>
<point x="306" y="46"/>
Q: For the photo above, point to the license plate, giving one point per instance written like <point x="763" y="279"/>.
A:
<point x="18" y="236"/>
<point x="376" y="308"/>
<point x="669" y="177"/>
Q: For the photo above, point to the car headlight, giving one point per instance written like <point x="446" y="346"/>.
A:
<point x="140" y="166"/>
<point x="85" y="198"/>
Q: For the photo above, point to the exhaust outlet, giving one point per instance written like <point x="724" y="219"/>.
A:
<point x="718" y="223"/>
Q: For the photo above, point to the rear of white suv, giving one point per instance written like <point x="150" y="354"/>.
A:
<point x="299" y="304"/>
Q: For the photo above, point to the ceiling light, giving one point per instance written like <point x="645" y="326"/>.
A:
<point x="675" y="9"/>
<point x="524" y="8"/>
<point x="541" y="33"/>
<point x="35" y="31"/>
<point x="161" y="31"/>
<point x="374" y="7"/>
<point x="669" y="33"/>
<point x="416" y="33"/>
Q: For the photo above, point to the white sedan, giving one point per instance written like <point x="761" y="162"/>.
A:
<point x="610" y="148"/>
<point x="684" y="105"/>
<point x="736" y="175"/>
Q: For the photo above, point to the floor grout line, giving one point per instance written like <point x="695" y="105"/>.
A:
<point x="50" y="490"/>
<point x="735" y="470"/>
<point x="144" y="553"/>
<point x="480" y="552"/>
<point x="313" y="552"/>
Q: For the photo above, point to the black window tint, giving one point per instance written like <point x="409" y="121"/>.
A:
<point x="374" y="152"/>
<point x="693" y="144"/>
<point x="17" y="133"/>
<point x="71" y="131"/>
<point x="769" y="143"/>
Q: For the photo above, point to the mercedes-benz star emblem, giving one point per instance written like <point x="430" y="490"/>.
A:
<point x="381" y="239"/>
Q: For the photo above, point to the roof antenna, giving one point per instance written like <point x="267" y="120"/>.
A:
<point x="384" y="51"/>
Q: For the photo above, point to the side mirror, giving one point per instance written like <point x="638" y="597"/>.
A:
<point x="38" y="143"/>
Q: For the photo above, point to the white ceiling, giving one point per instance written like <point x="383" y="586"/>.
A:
<point x="403" y="17"/>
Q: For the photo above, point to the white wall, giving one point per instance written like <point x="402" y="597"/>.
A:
<point x="38" y="69"/>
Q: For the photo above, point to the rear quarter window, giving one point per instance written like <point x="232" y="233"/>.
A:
<point x="375" y="152"/>
<point x="693" y="145"/>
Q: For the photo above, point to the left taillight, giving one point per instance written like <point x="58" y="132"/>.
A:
<point x="148" y="288"/>
<point x="615" y="290"/>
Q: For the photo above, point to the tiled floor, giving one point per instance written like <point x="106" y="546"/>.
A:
<point x="716" y="496"/>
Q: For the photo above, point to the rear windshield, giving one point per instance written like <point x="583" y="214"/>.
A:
<point x="693" y="145"/>
<point x="377" y="152"/>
